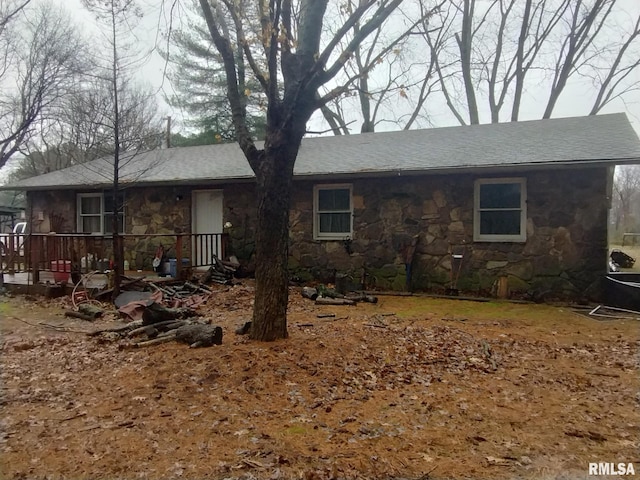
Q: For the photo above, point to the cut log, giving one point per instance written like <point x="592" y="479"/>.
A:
<point x="310" y="293"/>
<point x="156" y="341"/>
<point x="118" y="329"/>
<point x="200" y="335"/>
<point x="156" y="313"/>
<point x="71" y="313"/>
<point x="90" y="310"/>
<point x="362" y="298"/>
<point x="502" y="289"/>
<point x="168" y="325"/>
<point x="193" y="286"/>
<point x="219" y="272"/>
<point x="148" y="330"/>
<point x="244" y="329"/>
<point x="328" y="292"/>
<point x="334" y="301"/>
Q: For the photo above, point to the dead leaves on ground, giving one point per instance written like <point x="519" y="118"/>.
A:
<point x="361" y="393"/>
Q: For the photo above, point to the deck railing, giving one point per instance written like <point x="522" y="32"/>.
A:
<point x="81" y="253"/>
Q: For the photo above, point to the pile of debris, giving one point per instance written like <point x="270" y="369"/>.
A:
<point x="323" y="295"/>
<point x="160" y="324"/>
<point x="619" y="259"/>
<point x="221" y="271"/>
<point x="158" y="310"/>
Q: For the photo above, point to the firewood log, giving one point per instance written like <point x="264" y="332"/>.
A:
<point x="90" y="310"/>
<point x="71" y="313"/>
<point x="199" y="335"/>
<point x="334" y="301"/>
<point x="155" y="313"/>
<point x="310" y="293"/>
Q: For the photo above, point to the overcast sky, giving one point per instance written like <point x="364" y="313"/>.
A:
<point x="572" y="102"/>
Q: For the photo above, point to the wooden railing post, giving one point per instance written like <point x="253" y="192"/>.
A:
<point x="35" y="256"/>
<point x="11" y="260"/>
<point x="224" y="245"/>
<point x="179" y="256"/>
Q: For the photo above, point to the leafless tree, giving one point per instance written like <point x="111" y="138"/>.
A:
<point x="9" y="10"/>
<point x="486" y="55"/>
<point x="118" y="18"/>
<point x="383" y="69"/>
<point x="41" y="57"/>
<point x="83" y="130"/>
<point x="281" y="43"/>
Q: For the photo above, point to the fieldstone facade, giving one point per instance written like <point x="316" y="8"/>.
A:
<point x="564" y="255"/>
<point x="148" y="212"/>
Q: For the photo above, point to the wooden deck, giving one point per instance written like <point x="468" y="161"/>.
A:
<point x="22" y="282"/>
<point x="20" y="278"/>
<point x="52" y="258"/>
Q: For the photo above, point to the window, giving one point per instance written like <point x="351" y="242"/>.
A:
<point x="95" y="213"/>
<point x="333" y="212"/>
<point x="500" y="213"/>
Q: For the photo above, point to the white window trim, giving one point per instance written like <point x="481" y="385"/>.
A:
<point x="80" y="216"/>
<point x="317" y="235"/>
<point x="477" y="236"/>
<point x="102" y="213"/>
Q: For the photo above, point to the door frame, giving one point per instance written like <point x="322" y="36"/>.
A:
<point x="194" y="223"/>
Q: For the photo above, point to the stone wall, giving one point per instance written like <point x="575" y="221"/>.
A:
<point x="53" y="211"/>
<point x="148" y="211"/>
<point x="154" y="211"/>
<point x="564" y="256"/>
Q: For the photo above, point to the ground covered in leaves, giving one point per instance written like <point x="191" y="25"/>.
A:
<point x="411" y="387"/>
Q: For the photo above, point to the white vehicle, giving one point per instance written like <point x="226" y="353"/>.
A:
<point x="13" y="242"/>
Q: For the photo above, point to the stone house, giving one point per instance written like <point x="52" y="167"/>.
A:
<point x="523" y="203"/>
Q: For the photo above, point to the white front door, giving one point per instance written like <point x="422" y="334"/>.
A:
<point x="206" y="215"/>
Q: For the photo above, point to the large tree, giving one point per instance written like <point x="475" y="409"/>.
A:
<point x="488" y="54"/>
<point x="198" y="81"/>
<point x="118" y="19"/>
<point x="41" y="57"/>
<point x="497" y="60"/>
<point x="83" y="129"/>
<point x="284" y="44"/>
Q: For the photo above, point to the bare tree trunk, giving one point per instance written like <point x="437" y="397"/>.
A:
<point x="274" y="184"/>
<point x="520" y="72"/>
<point x="495" y="102"/>
<point x="365" y="103"/>
<point x="335" y="121"/>
<point x="117" y="244"/>
<point x="464" y="43"/>
<point x="364" y="97"/>
<point x="584" y="29"/>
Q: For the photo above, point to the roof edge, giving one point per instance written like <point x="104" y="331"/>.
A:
<point x="497" y="168"/>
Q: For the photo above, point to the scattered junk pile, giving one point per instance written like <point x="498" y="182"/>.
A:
<point x="158" y="310"/>
<point x="323" y="295"/>
<point x="160" y="324"/>
<point x="618" y="259"/>
<point x="164" y="309"/>
<point x="622" y="288"/>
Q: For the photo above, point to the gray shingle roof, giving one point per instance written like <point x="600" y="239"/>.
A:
<point x="577" y="140"/>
